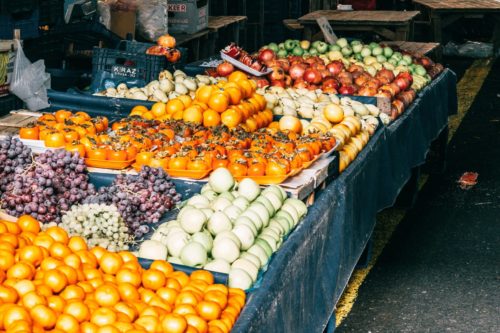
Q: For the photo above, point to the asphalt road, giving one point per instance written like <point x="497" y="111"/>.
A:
<point x="440" y="272"/>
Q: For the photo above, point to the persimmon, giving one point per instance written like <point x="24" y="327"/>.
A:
<point x="193" y="114"/>
<point x="231" y="118"/>
<point x="203" y="93"/>
<point x="211" y="118"/>
<point x="29" y="132"/>
<point x="218" y="101"/>
<point x="167" y="41"/>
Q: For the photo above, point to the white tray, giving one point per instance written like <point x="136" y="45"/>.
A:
<point x="37" y="146"/>
<point x="242" y="66"/>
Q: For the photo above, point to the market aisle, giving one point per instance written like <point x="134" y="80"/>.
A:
<point x="440" y="270"/>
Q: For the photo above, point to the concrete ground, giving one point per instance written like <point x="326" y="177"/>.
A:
<point x="440" y="271"/>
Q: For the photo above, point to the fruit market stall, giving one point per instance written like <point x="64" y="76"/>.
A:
<point x="231" y="148"/>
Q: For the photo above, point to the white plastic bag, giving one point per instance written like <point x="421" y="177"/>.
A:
<point x="152" y="19"/>
<point x="29" y="81"/>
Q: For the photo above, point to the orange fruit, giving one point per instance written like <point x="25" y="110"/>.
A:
<point x="203" y="93"/>
<point x="10" y="238"/>
<point x="128" y="276"/>
<point x="77" y="309"/>
<point x="174" y="105"/>
<point x="58" y="234"/>
<point x="138" y="110"/>
<point x="103" y="316"/>
<point x="73" y="292"/>
<point x="110" y="263"/>
<point x="31" y="299"/>
<point x="197" y="322"/>
<point x="107" y="295"/>
<point x="178" y="115"/>
<point x="127" y="309"/>
<point x="108" y="329"/>
<point x="88" y="328"/>
<point x="128" y="292"/>
<point x="208" y="310"/>
<point x="153" y="279"/>
<point x="184" y="309"/>
<point x="28" y="223"/>
<point x="211" y="118"/>
<point x="12" y="227"/>
<point x="217" y="297"/>
<point x="158" y="109"/>
<point x="186" y="297"/>
<point x="148" y="323"/>
<point x="167" y="294"/>
<point x="70" y="273"/>
<point x="73" y="261"/>
<point x="162" y="266"/>
<point x="77" y="243"/>
<point x="173" y="283"/>
<point x="59" y="250"/>
<point x="148" y="115"/>
<point x="55" y="280"/>
<point x="44" y="316"/>
<point x="21" y="270"/>
<point x="56" y="303"/>
<point x="192" y="114"/>
<point x="6" y="260"/>
<point x="203" y="276"/>
<point x="218" y="102"/>
<point x="186" y="100"/>
<point x="173" y="323"/>
<point x="235" y="95"/>
<point x="127" y="256"/>
<point x="218" y="287"/>
<point x="67" y="323"/>
<point x="237" y="76"/>
<point x="98" y="252"/>
<point x="246" y="88"/>
<point x="43" y="240"/>
<point x="231" y="118"/>
<point x="13" y="314"/>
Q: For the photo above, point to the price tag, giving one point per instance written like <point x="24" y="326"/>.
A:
<point x="327" y="30"/>
<point x="130" y="72"/>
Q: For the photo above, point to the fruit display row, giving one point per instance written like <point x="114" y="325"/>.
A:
<point x="51" y="281"/>
<point x="168" y="86"/>
<point x="229" y="227"/>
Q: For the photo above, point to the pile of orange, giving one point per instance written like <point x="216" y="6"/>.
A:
<point x="63" y="127"/>
<point x="232" y="103"/>
<point x="50" y="282"/>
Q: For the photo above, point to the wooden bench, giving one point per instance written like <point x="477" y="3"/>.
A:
<point x="441" y="14"/>
<point x="392" y="25"/>
<point x="415" y="48"/>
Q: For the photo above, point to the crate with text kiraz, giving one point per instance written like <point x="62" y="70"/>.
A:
<point x="187" y="16"/>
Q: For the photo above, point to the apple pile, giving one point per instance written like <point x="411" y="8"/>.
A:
<point x="252" y="61"/>
<point x="297" y="48"/>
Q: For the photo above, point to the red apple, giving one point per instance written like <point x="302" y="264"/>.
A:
<point x="225" y="68"/>
<point x="330" y="83"/>
<point x="278" y="83"/>
<point x="312" y="76"/>
<point x="373" y="83"/>
<point x="277" y="74"/>
<point x="361" y="80"/>
<point x="345" y="78"/>
<point x="335" y="67"/>
<point x="300" y="83"/>
<point x="402" y="83"/>
<point x="266" y="55"/>
<point x="325" y="73"/>
<point x="347" y="90"/>
<point x="297" y="71"/>
<point x="367" y="91"/>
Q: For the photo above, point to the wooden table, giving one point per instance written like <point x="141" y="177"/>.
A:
<point x="392" y="25"/>
<point x="224" y="30"/>
<point x="415" y="48"/>
<point x="196" y="43"/>
<point x="443" y="13"/>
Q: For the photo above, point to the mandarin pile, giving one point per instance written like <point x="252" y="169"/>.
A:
<point x="52" y="282"/>
<point x="233" y="103"/>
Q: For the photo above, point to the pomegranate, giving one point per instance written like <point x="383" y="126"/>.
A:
<point x="225" y="68"/>
<point x="347" y="90"/>
<point x="367" y="91"/>
<point x="402" y="83"/>
<point x="312" y="76"/>
<point x="373" y="83"/>
<point x="330" y="83"/>
<point x="285" y="64"/>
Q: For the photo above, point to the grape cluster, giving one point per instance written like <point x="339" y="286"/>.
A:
<point x="54" y="182"/>
<point x="13" y="155"/>
<point x="99" y="224"/>
<point x="141" y="199"/>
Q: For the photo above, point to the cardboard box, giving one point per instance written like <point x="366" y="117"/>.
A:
<point x="6" y="69"/>
<point x="187" y="16"/>
<point x="123" y="23"/>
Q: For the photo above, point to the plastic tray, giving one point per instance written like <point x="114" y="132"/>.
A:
<point x="193" y="174"/>
<point x="247" y="69"/>
<point x="38" y="146"/>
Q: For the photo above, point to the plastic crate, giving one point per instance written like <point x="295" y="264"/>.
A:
<point x="27" y="22"/>
<point x="51" y="12"/>
<point x="140" y="47"/>
<point x="9" y="103"/>
<point x="17" y="6"/>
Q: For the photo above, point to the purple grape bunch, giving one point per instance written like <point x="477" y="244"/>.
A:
<point x="49" y="187"/>
<point x="141" y="199"/>
<point x="13" y="155"/>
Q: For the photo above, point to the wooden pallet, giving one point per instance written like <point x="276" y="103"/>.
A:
<point x="11" y="123"/>
<point x="415" y="48"/>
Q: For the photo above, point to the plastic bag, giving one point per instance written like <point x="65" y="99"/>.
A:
<point x="29" y="81"/>
<point x="152" y="19"/>
<point x="469" y="49"/>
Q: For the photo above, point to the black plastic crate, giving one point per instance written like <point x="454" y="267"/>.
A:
<point x="9" y="103"/>
<point x="140" y="47"/>
<point x="26" y="22"/>
<point x="51" y="12"/>
<point x="17" y="6"/>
